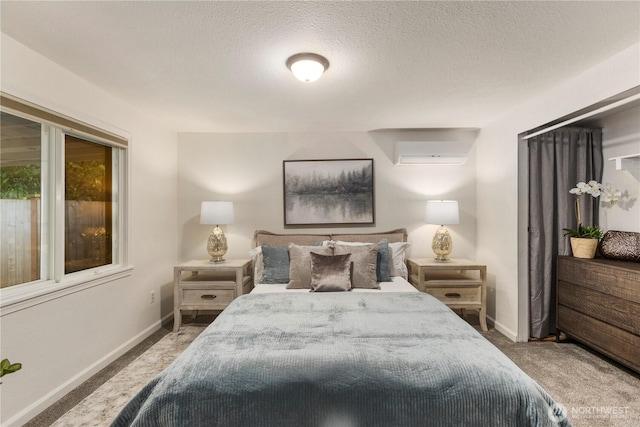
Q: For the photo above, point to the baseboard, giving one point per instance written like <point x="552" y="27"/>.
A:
<point x="59" y="392"/>
<point x="166" y="319"/>
<point x="513" y="336"/>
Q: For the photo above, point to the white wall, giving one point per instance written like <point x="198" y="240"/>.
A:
<point x="63" y="341"/>
<point x="621" y="136"/>
<point x="247" y="169"/>
<point x="497" y="198"/>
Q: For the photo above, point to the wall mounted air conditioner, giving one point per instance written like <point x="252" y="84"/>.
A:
<point x="430" y="153"/>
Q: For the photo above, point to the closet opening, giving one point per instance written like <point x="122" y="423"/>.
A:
<point x="616" y="121"/>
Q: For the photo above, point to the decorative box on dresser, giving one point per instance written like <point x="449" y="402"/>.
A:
<point x="598" y="304"/>
<point x="205" y="285"/>
<point x="459" y="283"/>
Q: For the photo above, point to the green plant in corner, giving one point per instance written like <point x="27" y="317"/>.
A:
<point x="7" y="367"/>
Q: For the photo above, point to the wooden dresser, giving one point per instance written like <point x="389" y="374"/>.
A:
<point x="598" y="304"/>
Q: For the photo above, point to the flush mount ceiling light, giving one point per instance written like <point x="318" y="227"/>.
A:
<point x="307" y="67"/>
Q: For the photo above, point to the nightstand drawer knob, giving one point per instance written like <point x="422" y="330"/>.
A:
<point x="208" y="296"/>
<point x="452" y="295"/>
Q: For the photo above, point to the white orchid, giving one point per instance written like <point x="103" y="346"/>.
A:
<point x="610" y="195"/>
<point x="595" y="189"/>
<point x="592" y="187"/>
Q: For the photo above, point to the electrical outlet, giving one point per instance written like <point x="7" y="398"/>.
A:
<point x="153" y="297"/>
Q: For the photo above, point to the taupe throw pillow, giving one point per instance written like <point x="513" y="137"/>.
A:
<point x="300" y="264"/>
<point x="383" y="263"/>
<point x="330" y="273"/>
<point x="364" y="265"/>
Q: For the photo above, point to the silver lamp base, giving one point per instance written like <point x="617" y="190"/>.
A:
<point x="442" y="244"/>
<point x="217" y="245"/>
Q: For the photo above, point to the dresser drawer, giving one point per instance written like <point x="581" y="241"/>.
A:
<point x="452" y="295"/>
<point x="210" y="298"/>
<point x="598" y="304"/>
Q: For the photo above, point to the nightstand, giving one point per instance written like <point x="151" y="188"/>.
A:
<point x="204" y="285"/>
<point x="459" y="283"/>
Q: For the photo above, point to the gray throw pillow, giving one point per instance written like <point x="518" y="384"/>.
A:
<point x="300" y="264"/>
<point x="330" y="273"/>
<point x="364" y="265"/>
<point x="383" y="267"/>
<point x="276" y="264"/>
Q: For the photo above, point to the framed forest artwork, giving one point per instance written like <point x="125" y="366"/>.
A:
<point x="328" y="192"/>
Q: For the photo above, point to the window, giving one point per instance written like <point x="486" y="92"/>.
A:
<point x="20" y="207"/>
<point x="88" y="205"/>
<point x="62" y="198"/>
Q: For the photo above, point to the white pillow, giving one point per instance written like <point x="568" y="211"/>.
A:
<point x="258" y="264"/>
<point x="398" y="255"/>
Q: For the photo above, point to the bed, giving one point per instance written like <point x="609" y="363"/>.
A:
<point x="386" y="356"/>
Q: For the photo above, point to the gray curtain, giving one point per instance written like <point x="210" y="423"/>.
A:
<point x="558" y="160"/>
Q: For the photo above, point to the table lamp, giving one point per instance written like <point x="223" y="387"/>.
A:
<point x="442" y="212"/>
<point x="216" y="213"/>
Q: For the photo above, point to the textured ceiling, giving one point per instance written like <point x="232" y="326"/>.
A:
<point x="220" y="66"/>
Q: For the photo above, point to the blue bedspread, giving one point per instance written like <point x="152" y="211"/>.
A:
<point x="341" y="359"/>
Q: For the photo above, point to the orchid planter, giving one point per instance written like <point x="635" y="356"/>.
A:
<point x="583" y="247"/>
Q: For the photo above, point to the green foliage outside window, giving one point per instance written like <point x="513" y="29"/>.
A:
<point x="20" y="182"/>
<point x="84" y="181"/>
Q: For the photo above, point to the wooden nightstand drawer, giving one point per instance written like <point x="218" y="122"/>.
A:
<point x="456" y="295"/>
<point x="210" y="298"/>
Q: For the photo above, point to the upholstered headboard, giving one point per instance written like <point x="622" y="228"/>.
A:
<point x="393" y="236"/>
<point x="262" y="237"/>
<point x="396" y="238"/>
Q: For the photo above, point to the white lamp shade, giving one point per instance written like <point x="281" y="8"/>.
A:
<point x="443" y="212"/>
<point x="216" y="213"/>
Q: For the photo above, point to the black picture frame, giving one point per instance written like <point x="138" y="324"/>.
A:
<point x="328" y="192"/>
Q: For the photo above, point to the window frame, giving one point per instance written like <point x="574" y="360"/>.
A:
<point x="54" y="283"/>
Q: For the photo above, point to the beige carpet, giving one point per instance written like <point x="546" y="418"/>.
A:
<point x="102" y="406"/>
<point x="594" y="392"/>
